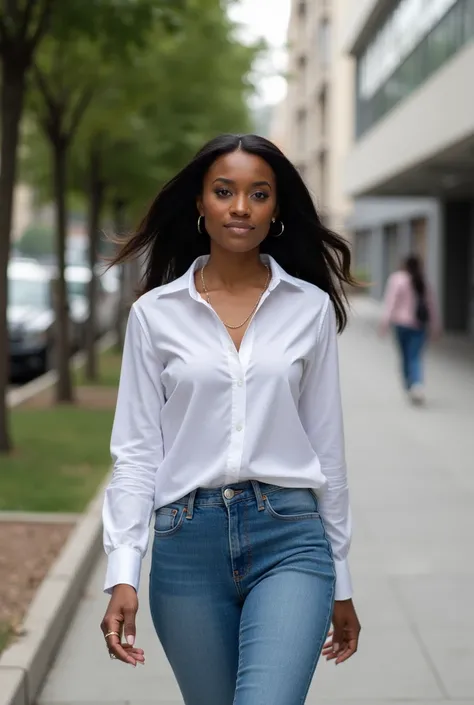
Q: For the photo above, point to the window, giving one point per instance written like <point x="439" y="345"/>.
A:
<point x="301" y="72"/>
<point x="322" y="164"/>
<point x="301" y="130"/>
<point x="34" y="293"/>
<point x="387" y="73"/>
<point x="324" y="42"/>
<point x="323" y="112"/>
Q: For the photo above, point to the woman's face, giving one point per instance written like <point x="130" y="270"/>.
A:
<point x="238" y="201"/>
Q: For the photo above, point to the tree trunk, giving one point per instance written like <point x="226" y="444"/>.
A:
<point x="96" y="197"/>
<point x="64" y="390"/>
<point x="12" y="95"/>
<point x="119" y="223"/>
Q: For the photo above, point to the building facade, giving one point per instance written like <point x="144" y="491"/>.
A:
<point x="318" y="109"/>
<point x="414" y="143"/>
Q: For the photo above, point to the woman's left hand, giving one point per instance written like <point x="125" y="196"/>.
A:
<point x="343" y="640"/>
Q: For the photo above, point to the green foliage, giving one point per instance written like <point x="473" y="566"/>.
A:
<point x="36" y="241"/>
<point x="183" y="79"/>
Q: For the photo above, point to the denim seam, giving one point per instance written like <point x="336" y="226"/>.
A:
<point x="321" y="643"/>
<point x="174" y="530"/>
<point x="328" y="618"/>
<point x="248" y="552"/>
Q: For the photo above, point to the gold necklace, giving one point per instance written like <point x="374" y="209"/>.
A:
<point x="251" y="312"/>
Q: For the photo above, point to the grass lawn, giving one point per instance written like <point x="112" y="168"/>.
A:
<point x="109" y="369"/>
<point x="61" y="452"/>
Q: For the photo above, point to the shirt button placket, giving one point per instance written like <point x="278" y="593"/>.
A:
<point x="238" y="417"/>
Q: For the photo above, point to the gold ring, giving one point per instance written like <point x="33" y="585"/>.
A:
<point x="112" y="634"/>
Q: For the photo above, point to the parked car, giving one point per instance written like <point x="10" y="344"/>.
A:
<point x="78" y="280"/>
<point x="30" y="318"/>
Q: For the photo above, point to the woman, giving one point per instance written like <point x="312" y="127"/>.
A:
<point x="409" y="307"/>
<point x="228" y="426"/>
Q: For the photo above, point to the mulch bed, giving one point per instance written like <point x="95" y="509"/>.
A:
<point x="88" y="397"/>
<point x="27" y="551"/>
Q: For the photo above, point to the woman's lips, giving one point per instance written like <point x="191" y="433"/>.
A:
<point x="238" y="229"/>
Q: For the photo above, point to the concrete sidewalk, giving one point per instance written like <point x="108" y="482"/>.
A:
<point x="412" y="481"/>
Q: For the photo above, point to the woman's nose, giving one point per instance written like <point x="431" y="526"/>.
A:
<point x="240" y="205"/>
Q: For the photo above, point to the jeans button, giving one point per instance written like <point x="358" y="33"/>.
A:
<point x="228" y="493"/>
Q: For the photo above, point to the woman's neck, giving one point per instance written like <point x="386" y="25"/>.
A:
<point x="231" y="270"/>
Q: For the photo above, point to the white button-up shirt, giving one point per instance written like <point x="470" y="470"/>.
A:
<point x="193" y="412"/>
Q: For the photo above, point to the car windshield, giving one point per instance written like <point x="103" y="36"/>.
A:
<point x="76" y="288"/>
<point x="28" y="292"/>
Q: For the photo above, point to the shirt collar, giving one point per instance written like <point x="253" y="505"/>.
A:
<point x="186" y="281"/>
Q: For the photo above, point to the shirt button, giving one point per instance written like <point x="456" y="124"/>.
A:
<point x="239" y="383"/>
<point x="229" y="493"/>
<point x="238" y="427"/>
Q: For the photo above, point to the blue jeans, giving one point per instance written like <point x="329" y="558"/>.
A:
<point x="241" y="593"/>
<point x="411" y="342"/>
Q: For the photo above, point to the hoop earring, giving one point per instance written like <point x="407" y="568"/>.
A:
<point x="282" y="228"/>
<point x="199" y="229"/>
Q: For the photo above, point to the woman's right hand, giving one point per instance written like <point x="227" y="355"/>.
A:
<point x="120" y="616"/>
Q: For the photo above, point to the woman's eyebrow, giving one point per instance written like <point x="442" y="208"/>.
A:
<point x="232" y="183"/>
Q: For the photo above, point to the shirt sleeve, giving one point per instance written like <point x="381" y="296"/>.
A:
<point x="137" y="451"/>
<point x="321" y="414"/>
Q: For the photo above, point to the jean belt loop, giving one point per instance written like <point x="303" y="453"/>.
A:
<point x="258" y="495"/>
<point x="190" y="507"/>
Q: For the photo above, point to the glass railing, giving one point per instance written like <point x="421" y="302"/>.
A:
<point x="452" y="32"/>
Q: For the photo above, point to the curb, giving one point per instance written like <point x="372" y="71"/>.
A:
<point x="25" y="664"/>
<point x="21" y="517"/>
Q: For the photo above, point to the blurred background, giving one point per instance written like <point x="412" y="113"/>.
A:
<point x="101" y="103"/>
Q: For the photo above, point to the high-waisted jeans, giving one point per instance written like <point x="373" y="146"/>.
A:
<point x="411" y="343"/>
<point x="241" y="593"/>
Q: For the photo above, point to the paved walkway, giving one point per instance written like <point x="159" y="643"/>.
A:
<point x="412" y="479"/>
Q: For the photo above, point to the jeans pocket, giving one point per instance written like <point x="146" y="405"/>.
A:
<point x="292" y="505"/>
<point x="168" y="520"/>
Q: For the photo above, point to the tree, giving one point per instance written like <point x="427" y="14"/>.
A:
<point x="153" y="106"/>
<point x="22" y="27"/>
<point x="164" y="119"/>
<point x="68" y="73"/>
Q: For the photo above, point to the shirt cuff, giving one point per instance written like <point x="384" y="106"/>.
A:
<point x="343" y="580"/>
<point x="123" y="567"/>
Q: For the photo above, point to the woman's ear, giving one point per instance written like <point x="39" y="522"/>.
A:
<point x="199" y="205"/>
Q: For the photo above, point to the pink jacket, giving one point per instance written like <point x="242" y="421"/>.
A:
<point x="400" y="303"/>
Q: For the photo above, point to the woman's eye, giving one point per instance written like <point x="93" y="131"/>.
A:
<point x="222" y="192"/>
<point x="261" y="195"/>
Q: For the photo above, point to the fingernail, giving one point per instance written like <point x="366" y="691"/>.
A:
<point x="130" y="639"/>
<point x="335" y="648"/>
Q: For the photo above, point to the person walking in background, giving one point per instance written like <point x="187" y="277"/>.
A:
<point x="410" y="308"/>
<point x="229" y="429"/>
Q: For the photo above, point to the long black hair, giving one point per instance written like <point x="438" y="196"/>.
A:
<point x="414" y="267"/>
<point x="169" y="238"/>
